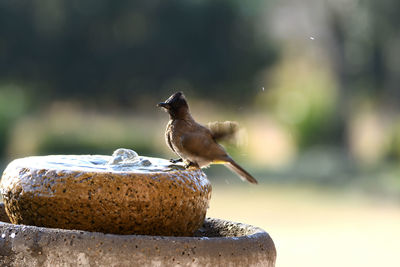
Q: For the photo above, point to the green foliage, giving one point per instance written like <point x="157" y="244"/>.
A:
<point x="72" y="144"/>
<point x="106" y="54"/>
<point x="303" y="97"/>
<point x="13" y="103"/>
<point x="115" y="50"/>
<point x="67" y="129"/>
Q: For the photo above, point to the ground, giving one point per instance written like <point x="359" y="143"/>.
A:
<point x="315" y="227"/>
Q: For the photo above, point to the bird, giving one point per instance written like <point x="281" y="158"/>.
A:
<point x="195" y="144"/>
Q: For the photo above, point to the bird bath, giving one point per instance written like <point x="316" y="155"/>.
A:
<point x="123" y="210"/>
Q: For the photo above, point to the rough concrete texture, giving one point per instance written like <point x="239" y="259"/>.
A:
<point x="42" y="191"/>
<point x="217" y="243"/>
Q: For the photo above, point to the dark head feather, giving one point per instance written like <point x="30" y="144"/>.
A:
<point x="176" y="105"/>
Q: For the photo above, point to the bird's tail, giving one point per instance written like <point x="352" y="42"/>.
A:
<point x="244" y="175"/>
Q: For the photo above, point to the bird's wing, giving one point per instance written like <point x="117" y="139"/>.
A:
<point x="203" y="145"/>
<point x="169" y="143"/>
<point x="168" y="137"/>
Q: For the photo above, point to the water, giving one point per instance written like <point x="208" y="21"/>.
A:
<point x="123" y="160"/>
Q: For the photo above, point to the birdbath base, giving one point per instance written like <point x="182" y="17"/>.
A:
<point x="217" y="243"/>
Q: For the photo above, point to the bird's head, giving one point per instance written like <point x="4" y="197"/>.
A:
<point x="175" y="105"/>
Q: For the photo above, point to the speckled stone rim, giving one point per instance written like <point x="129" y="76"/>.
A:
<point x="81" y="192"/>
<point x="217" y="243"/>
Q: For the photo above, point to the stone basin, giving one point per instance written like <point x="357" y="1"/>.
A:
<point x="216" y="243"/>
<point x="118" y="211"/>
<point x="120" y="194"/>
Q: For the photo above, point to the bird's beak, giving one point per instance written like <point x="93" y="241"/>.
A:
<point x="163" y="105"/>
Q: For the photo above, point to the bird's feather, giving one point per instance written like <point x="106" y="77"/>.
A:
<point x="243" y="174"/>
<point x="222" y="131"/>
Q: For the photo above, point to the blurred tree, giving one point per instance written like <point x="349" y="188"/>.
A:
<point x="115" y="50"/>
<point x="365" y="51"/>
<point x="13" y="103"/>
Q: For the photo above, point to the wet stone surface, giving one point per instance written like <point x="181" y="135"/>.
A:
<point x="137" y="195"/>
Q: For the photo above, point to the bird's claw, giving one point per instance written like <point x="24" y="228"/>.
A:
<point x="191" y="164"/>
<point x="176" y="160"/>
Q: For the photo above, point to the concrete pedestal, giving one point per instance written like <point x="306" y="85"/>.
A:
<point x="217" y="243"/>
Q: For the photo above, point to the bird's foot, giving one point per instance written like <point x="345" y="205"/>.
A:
<point x="191" y="164"/>
<point x="176" y="160"/>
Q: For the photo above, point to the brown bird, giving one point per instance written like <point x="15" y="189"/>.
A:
<point x="195" y="144"/>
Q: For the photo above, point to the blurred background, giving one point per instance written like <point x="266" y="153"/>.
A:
<point x="314" y="84"/>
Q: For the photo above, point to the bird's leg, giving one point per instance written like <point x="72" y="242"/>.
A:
<point x="191" y="164"/>
<point x="176" y="160"/>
